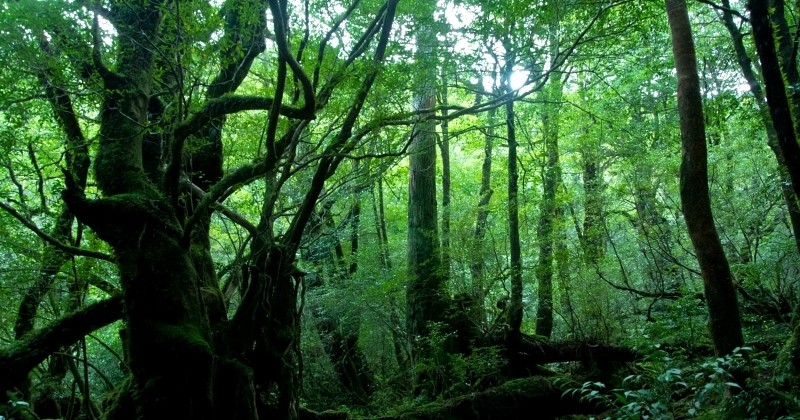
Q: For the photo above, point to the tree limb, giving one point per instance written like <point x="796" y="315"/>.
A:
<point x="725" y="9"/>
<point x="24" y="355"/>
<point x="53" y="241"/>
<point x="232" y="104"/>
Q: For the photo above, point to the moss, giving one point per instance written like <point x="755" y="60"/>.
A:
<point x="518" y="398"/>
<point x="185" y="338"/>
<point x="788" y="362"/>
<point x="524" y="386"/>
<point x="119" y="403"/>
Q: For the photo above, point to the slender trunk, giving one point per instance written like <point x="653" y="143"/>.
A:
<point x="477" y="265"/>
<point x="354" y="217"/>
<point x="723" y="308"/>
<point x="593" y="248"/>
<point x="548" y="210"/>
<point x="515" y="263"/>
<point x="444" y="146"/>
<point x="383" y="237"/>
<point x="399" y="337"/>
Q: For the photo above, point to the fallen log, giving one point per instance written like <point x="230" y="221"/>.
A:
<point x="526" y="398"/>
<point x="537" y="350"/>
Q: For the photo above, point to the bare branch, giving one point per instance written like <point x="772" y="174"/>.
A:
<point x="53" y="241"/>
<point x="725" y="9"/>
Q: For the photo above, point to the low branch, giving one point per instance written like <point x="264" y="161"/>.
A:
<point x="22" y="356"/>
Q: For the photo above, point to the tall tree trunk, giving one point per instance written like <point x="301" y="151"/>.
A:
<point x="425" y="294"/>
<point x="515" y="263"/>
<point x="444" y="146"/>
<point x="777" y="100"/>
<point x="745" y="64"/>
<point x="780" y="111"/>
<point x="477" y="263"/>
<point x="379" y="208"/>
<point x="548" y="210"/>
<point x="593" y="243"/>
<point x="723" y="308"/>
<point x="786" y="49"/>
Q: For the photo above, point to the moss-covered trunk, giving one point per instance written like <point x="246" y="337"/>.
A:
<point x="168" y="335"/>
<point x="548" y="209"/>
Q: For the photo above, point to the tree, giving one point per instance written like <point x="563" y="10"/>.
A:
<point x="426" y="296"/>
<point x="175" y="317"/>
<point x="548" y="209"/>
<point x="780" y="110"/>
<point x="723" y="308"/>
<point x="477" y="263"/>
<point x="745" y="64"/>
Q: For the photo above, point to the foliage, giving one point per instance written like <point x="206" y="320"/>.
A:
<point x="669" y="386"/>
<point x="624" y="271"/>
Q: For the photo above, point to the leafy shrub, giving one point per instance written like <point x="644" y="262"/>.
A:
<point x="666" y="387"/>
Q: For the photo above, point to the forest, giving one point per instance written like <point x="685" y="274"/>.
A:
<point x="399" y="209"/>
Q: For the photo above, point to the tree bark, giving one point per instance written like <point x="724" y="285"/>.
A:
<point x="593" y="243"/>
<point x="777" y="100"/>
<point x="723" y="308"/>
<point x="786" y="49"/>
